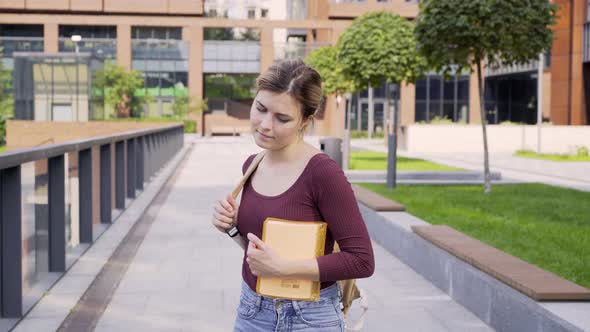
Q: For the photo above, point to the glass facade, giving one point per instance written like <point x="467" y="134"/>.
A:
<point x="511" y="98"/>
<point x="295" y="49"/>
<point x="101" y="41"/>
<point x="297" y="9"/>
<point x="359" y="113"/>
<point x="162" y="56"/>
<point x="231" y="51"/>
<point x="19" y="38"/>
<point x="437" y="98"/>
<point x="240" y="9"/>
<point x="235" y="34"/>
<point x="16" y="38"/>
<point x="35" y="222"/>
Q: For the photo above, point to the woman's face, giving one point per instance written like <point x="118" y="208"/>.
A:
<point x="275" y="119"/>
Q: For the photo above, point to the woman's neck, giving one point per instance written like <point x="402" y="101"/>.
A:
<point x="287" y="154"/>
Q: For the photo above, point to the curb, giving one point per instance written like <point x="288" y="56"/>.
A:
<point x="498" y="305"/>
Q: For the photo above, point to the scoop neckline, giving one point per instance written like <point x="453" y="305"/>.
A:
<point x="292" y="185"/>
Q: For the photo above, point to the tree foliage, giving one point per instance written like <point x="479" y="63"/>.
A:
<point x="6" y="100"/>
<point x="453" y="33"/>
<point x="119" y="86"/>
<point x="380" y="46"/>
<point x="185" y="105"/>
<point x="325" y="61"/>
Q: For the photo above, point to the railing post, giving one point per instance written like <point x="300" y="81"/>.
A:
<point x="131" y="168"/>
<point x="140" y="151"/>
<point x="181" y="143"/>
<point x="158" y="151"/>
<point x="11" y="289"/>
<point x="85" y="174"/>
<point x="148" y="157"/>
<point x="57" y="214"/>
<point x="105" y="184"/>
<point x="120" y="175"/>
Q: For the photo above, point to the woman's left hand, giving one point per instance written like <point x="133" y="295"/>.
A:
<point x="263" y="260"/>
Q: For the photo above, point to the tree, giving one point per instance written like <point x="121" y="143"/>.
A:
<point x="458" y="34"/>
<point x="185" y="105"/>
<point x="120" y="86"/>
<point x="325" y="61"/>
<point x="377" y="47"/>
<point x="6" y="100"/>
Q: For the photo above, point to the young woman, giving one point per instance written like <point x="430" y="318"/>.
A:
<point x="294" y="181"/>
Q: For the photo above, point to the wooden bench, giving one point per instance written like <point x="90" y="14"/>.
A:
<point x="375" y="201"/>
<point x="524" y="277"/>
<point x="228" y="130"/>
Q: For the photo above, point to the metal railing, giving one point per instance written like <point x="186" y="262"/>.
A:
<point x="530" y="66"/>
<point x="159" y="49"/>
<point x="125" y="163"/>
<point x="9" y="45"/>
<point x="100" y="47"/>
<point x="293" y="50"/>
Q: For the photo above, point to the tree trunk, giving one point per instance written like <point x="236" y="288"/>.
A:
<point x="124" y="107"/>
<point x="486" y="162"/>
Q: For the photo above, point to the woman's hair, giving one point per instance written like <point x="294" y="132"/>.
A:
<point x="297" y="79"/>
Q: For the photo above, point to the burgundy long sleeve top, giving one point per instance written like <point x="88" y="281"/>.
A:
<point x="321" y="193"/>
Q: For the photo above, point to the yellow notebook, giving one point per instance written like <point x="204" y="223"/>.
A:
<point x="293" y="240"/>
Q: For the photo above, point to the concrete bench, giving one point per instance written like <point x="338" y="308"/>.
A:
<point x="375" y="201"/>
<point x="520" y="275"/>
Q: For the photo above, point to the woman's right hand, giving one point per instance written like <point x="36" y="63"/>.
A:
<point x="226" y="213"/>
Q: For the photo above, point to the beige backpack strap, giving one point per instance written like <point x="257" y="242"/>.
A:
<point x="249" y="172"/>
<point x="233" y="231"/>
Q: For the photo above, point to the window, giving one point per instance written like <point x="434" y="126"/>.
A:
<point x="444" y="99"/>
<point x="264" y="13"/>
<point x="241" y="34"/>
<point x="251" y="13"/>
<point x="97" y="31"/>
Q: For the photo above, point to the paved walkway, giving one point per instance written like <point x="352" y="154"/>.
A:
<point x="186" y="275"/>
<point x="574" y="175"/>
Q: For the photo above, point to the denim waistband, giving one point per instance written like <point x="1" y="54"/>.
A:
<point x="328" y="294"/>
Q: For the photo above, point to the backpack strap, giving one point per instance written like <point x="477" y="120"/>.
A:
<point x="249" y="171"/>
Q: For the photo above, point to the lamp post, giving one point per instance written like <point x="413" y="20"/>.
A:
<point x="76" y="39"/>
<point x="346" y="142"/>
<point x="540" y="99"/>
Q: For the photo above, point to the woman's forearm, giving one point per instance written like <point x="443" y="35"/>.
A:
<point x="302" y="269"/>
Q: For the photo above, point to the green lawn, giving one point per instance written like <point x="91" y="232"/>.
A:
<point x="551" y="156"/>
<point x="544" y="225"/>
<point x="2" y="148"/>
<point x="369" y="160"/>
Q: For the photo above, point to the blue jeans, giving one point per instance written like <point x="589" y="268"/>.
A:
<point x="258" y="313"/>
